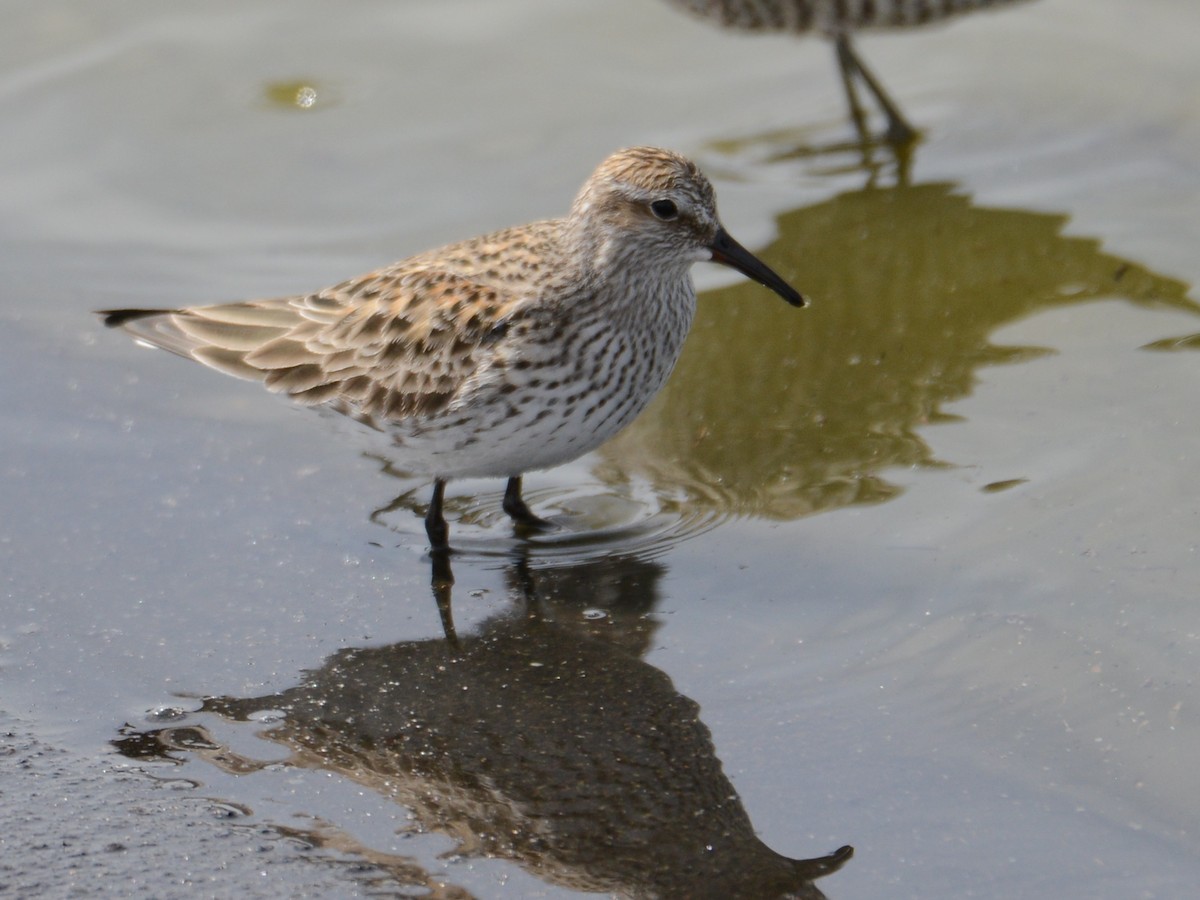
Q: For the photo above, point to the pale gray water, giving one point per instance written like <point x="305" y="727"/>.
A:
<point x="925" y="554"/>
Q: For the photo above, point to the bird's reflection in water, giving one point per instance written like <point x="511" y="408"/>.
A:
<point x="542" y="737"/>
<point x="779" y="417"/>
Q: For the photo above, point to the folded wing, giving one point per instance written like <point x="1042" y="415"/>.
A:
<point x="390" y="345"/>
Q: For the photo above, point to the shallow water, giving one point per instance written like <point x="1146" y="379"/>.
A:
<point x="913" y="569"/>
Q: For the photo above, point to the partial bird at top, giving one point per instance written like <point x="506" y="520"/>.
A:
<point x="838" y="19"/>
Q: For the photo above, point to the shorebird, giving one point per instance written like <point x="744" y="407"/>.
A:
<point x="503" y="354"/>
<point x="837" y="19"/>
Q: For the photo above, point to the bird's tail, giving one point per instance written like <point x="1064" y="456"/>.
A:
<point x="217" y="336"/>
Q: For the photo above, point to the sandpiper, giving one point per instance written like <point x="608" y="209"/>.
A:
<point x="837" y="19"/>
<point x="499" y="355"/>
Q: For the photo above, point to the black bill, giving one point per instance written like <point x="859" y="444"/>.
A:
<point x="728" y="252"/>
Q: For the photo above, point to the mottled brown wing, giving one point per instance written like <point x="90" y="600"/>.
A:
<point x="396" y="343"/>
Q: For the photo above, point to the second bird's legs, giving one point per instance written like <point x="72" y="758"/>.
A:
<point x="899" y="132"/>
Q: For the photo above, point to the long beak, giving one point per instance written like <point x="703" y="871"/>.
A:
<point x="728" y="252"/>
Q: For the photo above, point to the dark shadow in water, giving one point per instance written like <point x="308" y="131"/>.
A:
<point x="778" y="413"/>
<point x="543" y="738"/>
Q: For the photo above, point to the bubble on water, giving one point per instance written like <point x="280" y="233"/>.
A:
<point x="266" y="716"/>
<point x="165" y="714"/>
<point x="295" y="94"/>
<point x="594" y="614"/>
<point x="222" y="810"/>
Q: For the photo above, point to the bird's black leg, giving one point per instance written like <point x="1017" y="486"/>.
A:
<point x="435" y="522"/>
<point x="899" y="132"/>
<point x="515" y="506"/>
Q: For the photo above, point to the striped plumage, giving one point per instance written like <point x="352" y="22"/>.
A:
<point x="830" y="17"/>
<point x="507" y="353"/>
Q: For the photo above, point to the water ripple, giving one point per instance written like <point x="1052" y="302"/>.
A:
<point x="593" y="521"/>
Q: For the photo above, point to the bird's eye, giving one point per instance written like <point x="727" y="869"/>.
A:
<point x="664" y="209"/>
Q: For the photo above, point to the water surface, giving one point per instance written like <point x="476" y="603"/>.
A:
<point x="913" y="569"/>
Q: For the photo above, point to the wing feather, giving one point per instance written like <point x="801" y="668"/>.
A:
<point x="400" y="342"/>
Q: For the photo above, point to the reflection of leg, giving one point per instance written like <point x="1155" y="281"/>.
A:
<point x="899" y="132"/>
<point x="521" y="581"/>
<point x="435" y="522"/>
<point x="442" y="583"/>
<point x="515" y="506"/>
<point x="442" y="580"/>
